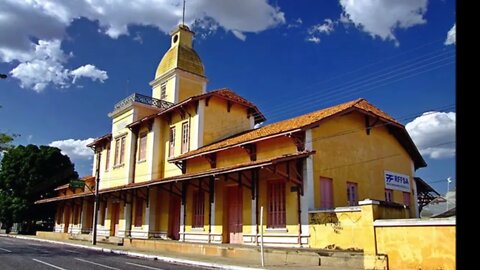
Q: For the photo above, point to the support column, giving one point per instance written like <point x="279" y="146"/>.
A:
<point x="308" y="186"/>
<point x="150" y="212"/>
<point x="83" y="216"/>
<point x="130" y="162"/>
<point x="154" y="154"/>
<point x="183" y="213"/>
<point x="127" y="214"/>
<point x="254" y="203"/>
<point x="212" y="208"/>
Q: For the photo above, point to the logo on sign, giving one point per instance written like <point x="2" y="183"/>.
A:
<point x="397" y="181"/>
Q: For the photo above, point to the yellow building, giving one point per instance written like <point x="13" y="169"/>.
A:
<point x="188" y="164"/>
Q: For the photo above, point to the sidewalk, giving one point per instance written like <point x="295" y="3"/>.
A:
<point x="214" y="262"/>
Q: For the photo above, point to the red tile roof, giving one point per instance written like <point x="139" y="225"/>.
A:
<point x="299" y="123"/>
<point x="189" y="176"/>
<point x="223" y="93"/>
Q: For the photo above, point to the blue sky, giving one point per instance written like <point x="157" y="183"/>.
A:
<point x="69" y="63"/>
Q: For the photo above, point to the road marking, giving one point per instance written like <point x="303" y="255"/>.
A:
<point x="72" y="251"/>
<point x="5" y="250"/>
<point x="51" y="265"/>
<point x="102" y="265"/>
<point x="144" y="266"/>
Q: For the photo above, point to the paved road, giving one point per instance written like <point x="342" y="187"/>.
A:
<point x="20" y="254"/>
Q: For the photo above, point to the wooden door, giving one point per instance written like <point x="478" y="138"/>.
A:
<point x="66" y="218"/>
<point x="174" y="218"/>
<point x="234" y="214"/>
<point x="115" y="218"/>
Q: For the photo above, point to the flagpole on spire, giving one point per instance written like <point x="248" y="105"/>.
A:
<point x="183" y="14"/>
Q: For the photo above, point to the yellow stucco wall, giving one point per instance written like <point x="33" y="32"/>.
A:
<point x="189" y="87"/>
<point x="163" y="204"/>
<point x="219" y="123"/>
<point x="198" y="164"/>
<point x="142" y="172"/>
<point x="170" y="88"/>
<point x="275" y="147"/>
<point x="232" y="157"/>
<point x="170" y="169"/>
<point x="346" y="153"/>
<point x="418" y="247"/>
<point x="341" y="230"/>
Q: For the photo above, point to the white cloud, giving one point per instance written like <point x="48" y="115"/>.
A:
<point x="313" y="39"/>
<point x="89" y="71"/>
<point x="451" y="36"/>
<point x="327" y="27"/>
<point x="48" y="19"/>
<point x="314" y="32"/>
<point x="381" y="17"/>
<point x="75" y="149"/>
<point x="42" y="67"/>
<point x="138" y="38"/>
<point x="295" y="24"/>
<point x="24" y="22"/>
<point x="45" y="66"/>
<point x="239" y="35"/>
<point x="434" y="134"/>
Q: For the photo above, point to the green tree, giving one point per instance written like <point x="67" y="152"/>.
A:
<point x="29" y="173"/>
<point x="5" y="139"/>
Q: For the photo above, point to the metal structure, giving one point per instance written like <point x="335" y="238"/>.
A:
<point x="139" y="98"/>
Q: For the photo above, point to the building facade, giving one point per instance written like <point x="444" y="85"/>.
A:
<point x="188" y="164"/>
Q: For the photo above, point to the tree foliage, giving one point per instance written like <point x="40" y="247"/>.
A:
<point x="29" y="173"/>
<point x="5" y="139"/>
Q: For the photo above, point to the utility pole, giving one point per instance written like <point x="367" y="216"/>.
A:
<point x="449" y="180"/>
<point x="95" y="204"/>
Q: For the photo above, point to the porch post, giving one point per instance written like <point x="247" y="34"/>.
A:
<point x="183" y="210"/>
<point x="127" y="214"/>
<point x="254" y="208"/>
<point x="212" y="207"/>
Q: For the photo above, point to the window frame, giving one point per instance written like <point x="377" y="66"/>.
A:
<point x="405" y="196"/>
<point x="185" y="137"/>
<point x="171" y="143"/>
<point x="107" y="158"/>
<point x="120" y="143"/>
<point x="103" y="213"/>
<point x="142" y="150"/>
<point x="355" y="199"/>
<point x="138" y="221"/>
<point x="330" y="203"/>
<point x="388" y="195"/>
<point x="276" y="205"/>
<point x="163" y="91"/>
<point x="198" y="207"/>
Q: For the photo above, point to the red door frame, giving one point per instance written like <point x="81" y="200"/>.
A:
<point x="115" y="218"/>
<point x="234" y="211"/>
<point x="174" y="217"/>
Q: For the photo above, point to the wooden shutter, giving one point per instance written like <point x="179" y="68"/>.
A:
<point x="198" y="208"/>
<point x="326" y="193"/>
<point x="276" y="214"/>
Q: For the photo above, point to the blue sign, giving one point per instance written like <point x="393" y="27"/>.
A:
<point x="397" y="181"/>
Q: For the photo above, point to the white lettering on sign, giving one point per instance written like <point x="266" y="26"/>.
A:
<point x="397" y="181"/>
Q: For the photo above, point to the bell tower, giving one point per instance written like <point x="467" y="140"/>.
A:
<point x="180" y="73"/>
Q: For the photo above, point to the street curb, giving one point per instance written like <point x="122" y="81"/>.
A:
<point x="140" y="255"/>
